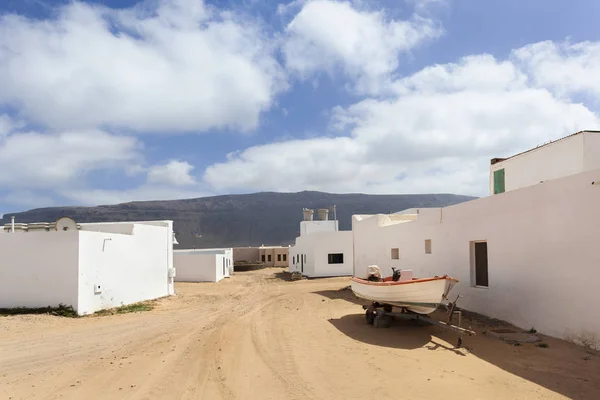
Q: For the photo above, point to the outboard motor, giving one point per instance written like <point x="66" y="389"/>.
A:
<point x="396" y="274"/>
<point x="374" y="273"/>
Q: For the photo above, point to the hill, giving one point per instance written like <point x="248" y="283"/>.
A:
<point x="240" y="220"/>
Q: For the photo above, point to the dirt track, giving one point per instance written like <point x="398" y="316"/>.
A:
<point x="256" y="336"/>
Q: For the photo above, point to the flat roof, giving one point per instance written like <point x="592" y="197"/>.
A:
<point x="498" y="159"/>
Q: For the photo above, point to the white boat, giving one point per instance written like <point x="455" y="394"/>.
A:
<point x="419" y="295"/>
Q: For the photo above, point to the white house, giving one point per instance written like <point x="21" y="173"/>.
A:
<point x="89" y="267"/>
<point x="321" y="250"/>
<point x="527" y="256"/>
<point x="570" y="155"/>
<point x="203" y="265"/>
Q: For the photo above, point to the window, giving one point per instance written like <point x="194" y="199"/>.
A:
<point x="269" y="258"/>
<point x="499" y="181"/>
<point x="427" y="246"/>
<point x="278" y="257"/>
<point x="479" y="263"/>
<point x="285" y="257"/>
<point x="395" y="254"/>
<point x="294" y="260"/>
<point x="336" y="258"/>
<point x="262" y="258"/>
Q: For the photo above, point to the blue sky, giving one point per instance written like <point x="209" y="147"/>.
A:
<point x="118" y="100"/>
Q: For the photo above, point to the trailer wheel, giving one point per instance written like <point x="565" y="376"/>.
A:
<point x="459" y="342"/>
<point x="370" y="316"/>
<point x="382" y="321"/>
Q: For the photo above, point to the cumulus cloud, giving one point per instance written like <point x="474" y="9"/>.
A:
<point x="36" y="160"/>
<point x="176" y="173"/>
<point x="565" y="68"/>
<point x="8" y="124"/>
<point x="27" y="198"/>
<point x="327" y="35"/>
<point x="436" y="134"/>
<point x="162" y="66"/>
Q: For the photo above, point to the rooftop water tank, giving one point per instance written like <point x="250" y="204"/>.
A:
<point x="323" y="214"/>
<point x="308" y="214"/>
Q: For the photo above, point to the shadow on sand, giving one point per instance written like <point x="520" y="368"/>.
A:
<point x="343" y="294"/>
<point x="402" y="334"/>
<point x="561" y="367"/>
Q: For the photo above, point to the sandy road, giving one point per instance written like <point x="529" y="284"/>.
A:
<point x="256" y="336"/>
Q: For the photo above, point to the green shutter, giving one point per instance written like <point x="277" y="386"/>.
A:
<point x="499" y="181"/>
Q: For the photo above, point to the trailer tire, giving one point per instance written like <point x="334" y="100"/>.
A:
<point x="382" y="321"/>
<point x="370" y="317"/>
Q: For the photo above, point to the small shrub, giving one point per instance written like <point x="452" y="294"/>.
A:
<point x="532" y="330"/>
<point x="60" y="311"/>
<point x="130" y="308"/>
<point x="543" y="345"/>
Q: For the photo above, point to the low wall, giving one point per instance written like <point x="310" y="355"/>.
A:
<point x="197" y="267"/>
<point x="38" y="269"/>
<point x="250" y="254"/>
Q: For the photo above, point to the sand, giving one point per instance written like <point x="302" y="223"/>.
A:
<point x="257" y="336"/>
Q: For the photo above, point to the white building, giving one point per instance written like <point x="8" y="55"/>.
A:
<point x="570" y="155"/>
<point x="527" y="256"/>
<point x="321" y="250"/>
<point x="203" y="265"/>
<point x="89" y="267"/>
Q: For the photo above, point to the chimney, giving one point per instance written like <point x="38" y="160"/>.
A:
<point x="12" y="224"/>
<point x="323" y="214"/>
<point x="308" y="214"/>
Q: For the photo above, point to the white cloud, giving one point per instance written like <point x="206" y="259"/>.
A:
<point x="176" y="173"/>
<point x="437" y="134"/>
<point x="366" y="45"/>
<point x="27" y="198"/>
<point x="166" y="66"/>
<point x="36" y="160"/>
<point x="8" y="125"/>
<point x="565" y="68"/>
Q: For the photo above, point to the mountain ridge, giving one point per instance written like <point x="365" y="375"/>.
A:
<point x="249" y="219"/>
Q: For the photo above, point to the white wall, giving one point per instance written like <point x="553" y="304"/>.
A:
<point x="196" y="267"/>
<point x="310" y="227"/>
<point x="222" y="271"/>
<point x="555" y="160"/>
<point x="38" y="269"/>
<point x="127" y="228"/>
<point x="317" y="247"/>
<point x="542" y="253"/>
<point x="128" y="268"/>
<point x="591" y="150"/>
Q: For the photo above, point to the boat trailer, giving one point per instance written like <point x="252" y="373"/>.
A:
<point x="381" y="316"/>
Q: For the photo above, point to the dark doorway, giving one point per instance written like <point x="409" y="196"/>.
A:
<point x="481" y="264"/>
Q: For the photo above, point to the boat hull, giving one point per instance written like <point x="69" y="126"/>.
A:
<point x="422" y="296"/>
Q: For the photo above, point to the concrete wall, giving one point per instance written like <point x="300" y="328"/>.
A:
<point x="542" y="253"/>
<point x="128" y="268"/>
<point x="309" y="227"/>
<point x="203" y="265"/>
<point x="591" y="151"/>
<point x="250" y="254"/>
<point x="316" y="247"/>
<point x="199" y="267"/>
<point x="38" y="269"/>
<point x="555" y="160"/>
<point x="127" y="228"/>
